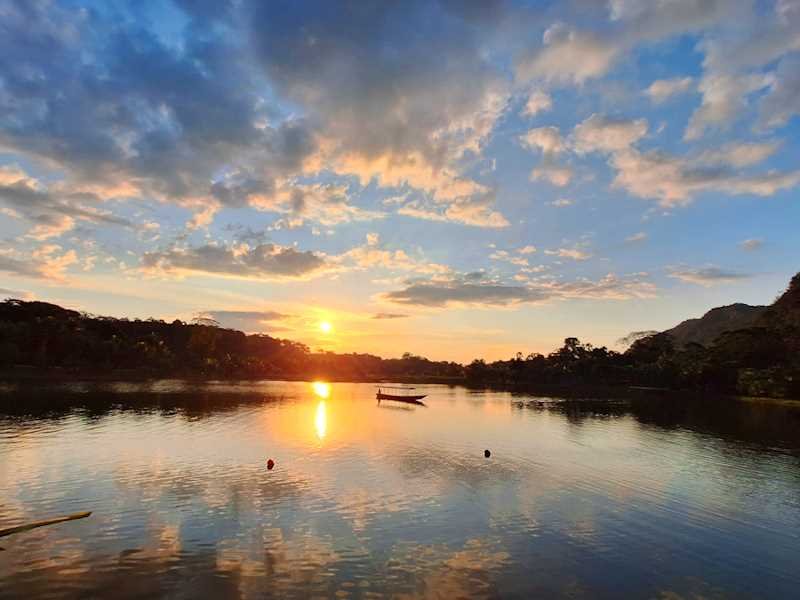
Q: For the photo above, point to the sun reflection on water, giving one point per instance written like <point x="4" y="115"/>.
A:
<point x="321" y="389"/>
<point x="321" y="419"/>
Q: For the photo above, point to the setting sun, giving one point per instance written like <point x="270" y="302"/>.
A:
<point x="325" y="327"/>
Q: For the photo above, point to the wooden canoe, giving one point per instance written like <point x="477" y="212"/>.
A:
<point x="398" y="398"/>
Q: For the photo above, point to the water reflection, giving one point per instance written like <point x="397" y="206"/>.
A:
<point x="321" y="419"/>
<point x="587" y="499"/>
<point x="321" y="389"/>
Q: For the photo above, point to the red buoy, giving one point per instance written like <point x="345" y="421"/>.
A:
<point x="270" y="464"/>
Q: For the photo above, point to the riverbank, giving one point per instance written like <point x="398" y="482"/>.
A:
<point x="11" y="379"/>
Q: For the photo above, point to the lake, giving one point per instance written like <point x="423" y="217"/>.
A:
<point x="654" y="498"/>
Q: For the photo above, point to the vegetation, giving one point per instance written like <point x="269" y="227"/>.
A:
<point x="760" y="359"/>
<point x="46" y="337"/>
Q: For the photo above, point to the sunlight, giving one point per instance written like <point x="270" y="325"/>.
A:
<point x="325" y="326"/>
<point x="321" y="389"/>
<point x="321" y="419"/>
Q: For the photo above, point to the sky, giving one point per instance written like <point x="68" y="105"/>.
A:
<point x="455" y="179"/>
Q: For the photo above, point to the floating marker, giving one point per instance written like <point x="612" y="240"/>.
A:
<point x="486" y="453"/>
<point x="270" y="464"/>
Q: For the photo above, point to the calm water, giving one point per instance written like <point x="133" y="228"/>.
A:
<point x="660" y="499"/>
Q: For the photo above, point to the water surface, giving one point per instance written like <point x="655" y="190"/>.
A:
<point x="651" y="499"/>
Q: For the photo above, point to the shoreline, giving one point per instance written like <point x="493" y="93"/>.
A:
<point x="573" y="392"/>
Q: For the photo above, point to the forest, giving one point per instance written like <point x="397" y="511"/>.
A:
<point x="38" y="338"/>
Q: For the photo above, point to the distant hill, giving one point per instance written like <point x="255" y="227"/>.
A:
<point x="716" y="322"/>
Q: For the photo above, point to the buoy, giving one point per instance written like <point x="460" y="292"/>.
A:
<point x="271" y="463"/>
<point x="486" y="453"/>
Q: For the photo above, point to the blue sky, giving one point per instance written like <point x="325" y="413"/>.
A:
<point x="454" y="179"/>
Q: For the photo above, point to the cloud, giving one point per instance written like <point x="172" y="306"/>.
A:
<point x="247" y="320"/>
<point x="15" y="266"/>
<point x="463" y="291"/>
<point x="599" y="133"/>
<point x="126" y="124"/>
<point x="549" y="142"/>
<point x="650" y="21"/>
<point x="547" y="139"/>
<point x="759" y="39"/>
<point x="557" y="175"/>
<point x="751" y="244"/>
<point x="707" y="276"/>
<point x="538" y="101"/>
<point x="389" y="316"/>
<point x="440" y="294"/>
<point x="572" y="56"/>
<point x="561" y="202"/>
<point x="782" y="101"/>
<point x="476" y="211"/>
<point x="6" y="293"/>
<point x="272" y="262"/>
<point x="568" y="56"/>
<point x="740" y="154"/>
<point x="526" y="250"/>
<point x="636" y="237"/>
<point x="261" y="262"/>
<point x="109" y="107"/>
<point x="47" y="262"/>
<point x="371" y="256"/>
<point x="326" y="204"/>
<point x="676" y="180"/>
<point x="662" y="90"/>
<point x="724" y="98"/>
<point x="266" y="315"/>
<point x="51" y="213"/>
<point x="503" y="255"/>
<point x="418" y="210"/>
<point x="396" y="117"/>
<point x="734" y="69"/>
<point x="571" y="253"/>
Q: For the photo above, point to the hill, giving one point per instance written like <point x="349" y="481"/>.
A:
<point x="714" y="323"/>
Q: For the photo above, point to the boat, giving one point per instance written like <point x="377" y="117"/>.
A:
<point x="407" y="398"/>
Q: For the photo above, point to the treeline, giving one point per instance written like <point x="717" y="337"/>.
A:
<point x="761" y="360"/>
<point x="35" y="337"/>
<point x="38" y="337"/>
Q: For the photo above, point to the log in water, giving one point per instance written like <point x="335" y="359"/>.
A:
<point x="35" y="524"/>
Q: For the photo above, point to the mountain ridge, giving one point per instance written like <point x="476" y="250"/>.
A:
<point x="721" y="319"/>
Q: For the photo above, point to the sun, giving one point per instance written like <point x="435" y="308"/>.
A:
<point x="325" y="326"/>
